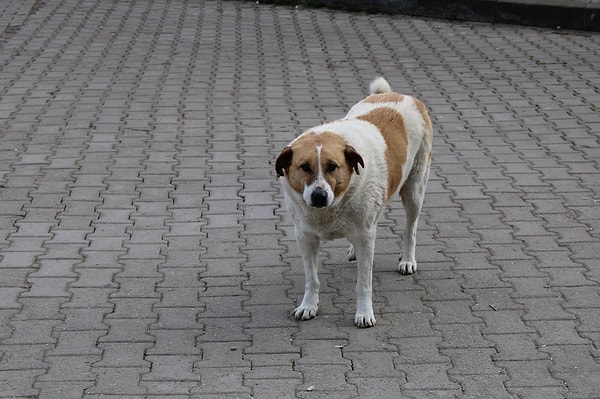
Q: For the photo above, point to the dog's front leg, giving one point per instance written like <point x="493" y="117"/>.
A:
<point x="364" y="249"/>
<point x="309" y="248"/>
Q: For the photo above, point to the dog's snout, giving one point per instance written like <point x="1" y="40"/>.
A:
<point x="318" y="198"/>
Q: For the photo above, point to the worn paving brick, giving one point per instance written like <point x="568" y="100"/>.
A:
<point x="146" y="248"/>
<point x="272" y="387"/>
<point x="491" y="386"/>
<point x="529" y="373"/>
<point x="221" y="382"/>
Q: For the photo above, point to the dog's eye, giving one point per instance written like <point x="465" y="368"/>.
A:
<point x="305" y="167"/>
<point x="331" y="167"/>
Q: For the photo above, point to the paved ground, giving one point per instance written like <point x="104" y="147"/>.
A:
<point x="146" y="253"/>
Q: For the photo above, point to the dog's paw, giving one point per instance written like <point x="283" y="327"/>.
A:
<point x="364" y="320"/>
<point x="407" y="267"/>
<point x="351" y="254"/>
<point x="305" y="312"/>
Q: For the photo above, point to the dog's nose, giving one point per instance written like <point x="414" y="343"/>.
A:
<point x="318" y="198"/>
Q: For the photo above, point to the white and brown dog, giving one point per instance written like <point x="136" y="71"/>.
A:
<point x="338" y="177"/>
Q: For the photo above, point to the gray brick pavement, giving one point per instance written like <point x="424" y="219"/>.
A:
<point x="146" y="252"/>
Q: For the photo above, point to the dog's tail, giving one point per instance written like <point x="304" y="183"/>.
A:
<point x="380" y="85"/>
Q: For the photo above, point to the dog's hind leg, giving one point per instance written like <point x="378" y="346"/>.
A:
<point x="351" y="254"/>
<point x="413" y="193"/>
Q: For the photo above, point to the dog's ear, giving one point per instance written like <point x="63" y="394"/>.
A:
<point x="283" y="161"/>
<point x="353" y="158"/>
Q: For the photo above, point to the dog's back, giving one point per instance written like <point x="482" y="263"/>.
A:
<point x="404" y="124"/>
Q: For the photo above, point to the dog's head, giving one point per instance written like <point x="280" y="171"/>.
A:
<point x="319" y="167"/>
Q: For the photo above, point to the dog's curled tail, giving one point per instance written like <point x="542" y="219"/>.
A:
<point x="379" y="86"/>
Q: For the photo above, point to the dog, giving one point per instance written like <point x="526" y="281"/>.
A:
<point x="338" y="177"/>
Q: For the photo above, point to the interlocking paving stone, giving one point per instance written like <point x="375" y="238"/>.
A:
<point x="147" y="251"/>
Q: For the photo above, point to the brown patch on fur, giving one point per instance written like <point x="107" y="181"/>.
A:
<point x="384" y="98"/>
<point x="299" y="162"/>
<point x="391" y="125"/>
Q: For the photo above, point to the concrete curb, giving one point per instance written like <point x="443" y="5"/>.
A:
<point x="561" y="14"/>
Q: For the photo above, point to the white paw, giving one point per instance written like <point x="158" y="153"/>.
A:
<point x="305" y="312"/>
<point x="364" y="320"/>
<point x="351" y="254"/>
<point x="407" y="267"/>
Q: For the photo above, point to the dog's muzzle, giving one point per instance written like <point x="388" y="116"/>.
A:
<point x="318" y="198"/>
